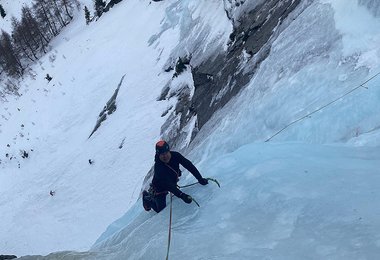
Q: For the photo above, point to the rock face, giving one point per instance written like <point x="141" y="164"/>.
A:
<point x="108" y="109"/>
<point x="217" y="81"/>
<point x="3" y="257"/>
<point x="220" y="78"/>
<point x="373" y="6"/>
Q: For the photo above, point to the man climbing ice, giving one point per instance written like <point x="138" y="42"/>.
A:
<point x="165" y="178"/>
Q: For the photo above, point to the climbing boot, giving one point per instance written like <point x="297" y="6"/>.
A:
<point x="146" y="200"/>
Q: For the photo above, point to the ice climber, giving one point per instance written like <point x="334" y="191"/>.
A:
<point x="165" y="178"/>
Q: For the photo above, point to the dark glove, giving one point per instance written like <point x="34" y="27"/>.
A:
<point x="203" y="181"/>
<point x="186" y="198"/>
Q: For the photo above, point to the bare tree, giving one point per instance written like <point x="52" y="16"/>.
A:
<point x="32" y="25"/>
<point x="22" y="40"/>
<point x="32" y="34"/>
<point x="44" y="17"/>
<point x="57" y="12"/>
<point x="9" y="58"/>
<point x="69" y="6"/>
<point x="87" y="15"/>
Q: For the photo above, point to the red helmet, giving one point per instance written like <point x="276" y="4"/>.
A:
<point x="162" y="147"/>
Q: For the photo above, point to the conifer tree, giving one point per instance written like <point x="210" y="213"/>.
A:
<point x="34" y="28"/>
<point x="46" y="18"/>
<point x="2" y="11"/>
<point x="87" y="15"/>
<point x="69" y="6"/>
<point x="9" y="58"/>
<point x="99" y="7"/>
<point x="23" y="41"/>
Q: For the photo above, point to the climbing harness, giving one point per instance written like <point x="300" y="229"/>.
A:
<point x="326" y="105"/>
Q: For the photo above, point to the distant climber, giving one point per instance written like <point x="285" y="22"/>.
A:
<point x="52" y="193"/>
<point x="48" y="77"/>
<point x="24" y="154"/>
<point x="165" y="178"/>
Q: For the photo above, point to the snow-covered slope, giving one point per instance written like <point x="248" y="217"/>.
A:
<point x="52" y="122"/>
<point x="304" y="200"/>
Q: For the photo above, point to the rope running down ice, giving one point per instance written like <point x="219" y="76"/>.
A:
<point x="319" y="109"/>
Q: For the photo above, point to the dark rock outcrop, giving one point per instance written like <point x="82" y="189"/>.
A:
<point x="4" y="257"/>
<point x="108" y="109"/>
<point x="217" y="81"/>
<point x="111" y="4"/>
<point x="223" y="74"/>
<point x="372" y="6"/>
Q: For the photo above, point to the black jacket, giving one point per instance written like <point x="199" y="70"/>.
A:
<point x="166" y="176"/>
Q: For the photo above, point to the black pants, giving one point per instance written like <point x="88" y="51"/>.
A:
<point x="158" y="203"/>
